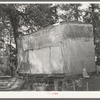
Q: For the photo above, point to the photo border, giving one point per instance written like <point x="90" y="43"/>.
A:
<point x="73" y="95"/>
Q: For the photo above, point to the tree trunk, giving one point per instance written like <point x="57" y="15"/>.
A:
<point x="14" y="23"/>
<point x="93" y="20"/>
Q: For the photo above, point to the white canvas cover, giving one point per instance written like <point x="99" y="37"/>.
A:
<point x="45" y="61"/>
<point x="39" y="61"/>
<point x="56" y="59"/>
<point x="79" y="54"/>
<point x="44" y="38"/>
<point x="46" y="56"/>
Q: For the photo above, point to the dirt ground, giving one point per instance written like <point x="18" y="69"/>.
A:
<point x="82" y="84"/>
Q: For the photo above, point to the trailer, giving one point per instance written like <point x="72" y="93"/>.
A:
<point x="56" y="53"/>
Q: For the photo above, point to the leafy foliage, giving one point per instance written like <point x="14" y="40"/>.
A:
<point x="13" y="18"/>
<point x="19" y="19"/>
<point x="71" y="12"/>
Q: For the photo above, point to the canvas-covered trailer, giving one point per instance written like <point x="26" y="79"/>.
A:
<point x="65" y="48"/>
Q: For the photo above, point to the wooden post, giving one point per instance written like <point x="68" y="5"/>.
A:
<point x="63" y="85"/>
<point x="74" y="86"/>
<point x="56" y="85"/>
<point x="87" y="86"/>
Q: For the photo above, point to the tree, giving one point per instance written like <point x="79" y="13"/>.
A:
<point x="69" y="12"/>
<point x="32" y="16"/>
<point x="92" y="16"/>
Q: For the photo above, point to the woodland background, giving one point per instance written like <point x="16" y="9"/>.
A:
<point x="19" y="19"/>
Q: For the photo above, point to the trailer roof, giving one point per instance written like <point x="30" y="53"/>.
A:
<point x="57" y="24"/>
<point x="55" y="33"/>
